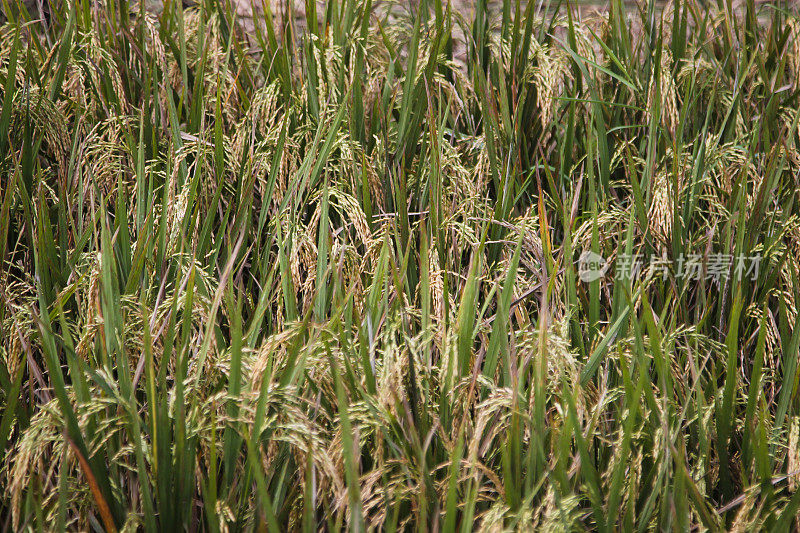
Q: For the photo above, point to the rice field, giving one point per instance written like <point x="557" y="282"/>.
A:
<point x="403" y="266"/>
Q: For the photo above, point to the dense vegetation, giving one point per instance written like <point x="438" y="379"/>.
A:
<point x="326" y="275"/>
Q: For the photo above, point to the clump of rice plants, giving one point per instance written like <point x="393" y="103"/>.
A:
<point x="399" y="266"/>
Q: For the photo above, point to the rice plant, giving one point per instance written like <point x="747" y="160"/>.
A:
<point x="425" y="266"/>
